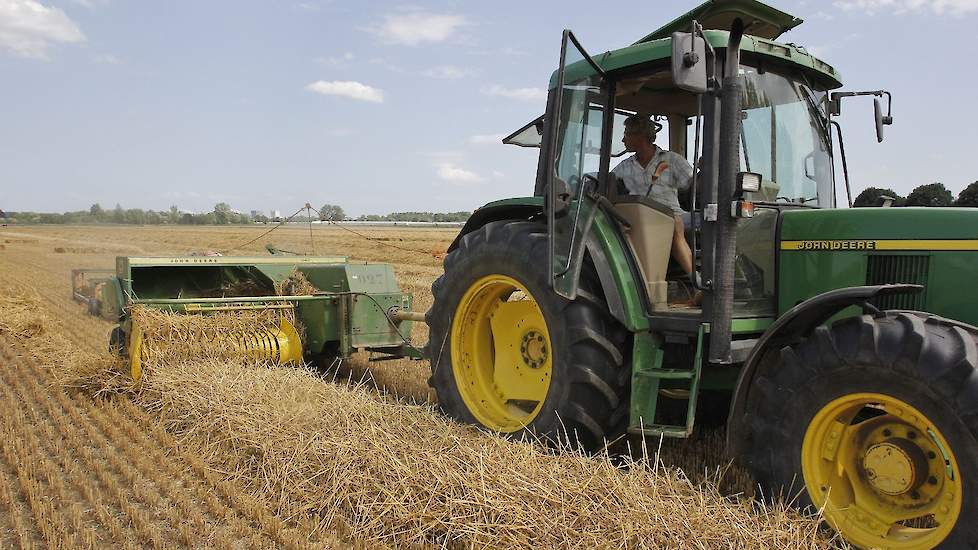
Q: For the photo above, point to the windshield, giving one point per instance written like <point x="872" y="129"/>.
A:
<point x="784" y="139"/>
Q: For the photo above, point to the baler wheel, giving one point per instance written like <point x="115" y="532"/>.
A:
<point x="509" y="354"/>
<point x="874" y="422"/>
<point x="117" y="342"/>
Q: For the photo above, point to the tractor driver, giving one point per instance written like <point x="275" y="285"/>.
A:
<point x="658" y="174"/>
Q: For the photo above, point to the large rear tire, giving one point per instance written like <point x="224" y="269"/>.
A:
<point x="875" y="423"/>
<point x="510" y="355"/>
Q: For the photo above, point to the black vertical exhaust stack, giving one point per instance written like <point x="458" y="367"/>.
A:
<point x="731" y="103"/>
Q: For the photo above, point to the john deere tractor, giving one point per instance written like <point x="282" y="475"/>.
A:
<point x="838" y="345"/>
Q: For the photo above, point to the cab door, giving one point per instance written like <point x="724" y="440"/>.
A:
<point x="580" y="128"/>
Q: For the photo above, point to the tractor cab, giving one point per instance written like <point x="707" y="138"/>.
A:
<point x="784" y="140"/>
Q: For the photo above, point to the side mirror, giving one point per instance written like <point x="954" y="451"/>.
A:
<point x="689" y="62"/>
<point x="879" y="119"/>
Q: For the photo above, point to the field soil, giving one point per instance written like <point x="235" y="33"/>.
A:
<point x="181" y="463"/>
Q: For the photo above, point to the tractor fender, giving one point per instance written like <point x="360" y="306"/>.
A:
<point x="508" y="209"/>
<point x="530" y="207"/>
<point x="796" y="324"/>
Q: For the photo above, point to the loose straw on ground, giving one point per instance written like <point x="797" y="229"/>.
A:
<point x="402" y="475"/>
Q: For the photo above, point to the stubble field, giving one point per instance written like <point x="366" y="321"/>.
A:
<point x="214" y="454"/>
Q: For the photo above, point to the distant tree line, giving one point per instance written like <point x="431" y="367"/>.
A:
<point x="332" y="212"/>
<point x="417" y="217"/>
<point x="222" y="214"/>
<point x="931" y="194"/>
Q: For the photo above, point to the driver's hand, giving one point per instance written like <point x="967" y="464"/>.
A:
<point x="659" y="169"/>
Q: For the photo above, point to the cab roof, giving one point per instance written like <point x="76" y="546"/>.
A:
<point x="759" y="19"/>
<point x="763" y="24"/>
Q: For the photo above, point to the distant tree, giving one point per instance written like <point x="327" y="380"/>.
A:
<point x="968" y="197"/>
<point x="118" y="214"/>
<point x="873" y="196"/>
<point x="222" y="213"/>
<point x="261" y="218"/>
<point x="931" y="194"/>
<point x="96" y="211"/>
<point x="174" y="214"/>
<point x="332" y="212"/>
<point x="135" y="216"/>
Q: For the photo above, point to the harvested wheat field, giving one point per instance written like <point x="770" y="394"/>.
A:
<point x="213" y="451"/>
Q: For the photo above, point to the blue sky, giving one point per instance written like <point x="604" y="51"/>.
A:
<point x="389" y="106"/>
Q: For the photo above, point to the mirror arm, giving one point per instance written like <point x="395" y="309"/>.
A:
<point x="835" y="102"/>
<point x="845" y="166"/>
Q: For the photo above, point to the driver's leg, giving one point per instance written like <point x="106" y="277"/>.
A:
<point x="680" y="248"/>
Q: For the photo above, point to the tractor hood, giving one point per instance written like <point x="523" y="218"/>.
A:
<point x="914" y="227"/>
<point x="759" y="19"/>
<point x="937" y="248"/>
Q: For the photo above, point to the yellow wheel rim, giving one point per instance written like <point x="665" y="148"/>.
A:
<point x="502" y="356"/>
<point x="882" y="473"/>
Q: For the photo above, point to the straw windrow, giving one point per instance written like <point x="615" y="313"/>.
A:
<point x="402" y="474"/>
<point x="394" y="474"/>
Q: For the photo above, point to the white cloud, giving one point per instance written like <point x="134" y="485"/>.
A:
<point x="522" y="94"/>
<point x="417" y="28"/>
<point x="347" y="88"/>
<point x="939" y="7"/>
<point x="486" y="139"/>
<point x="448" y="72"/>
<point x="453" y="174"/>
<point x="28" y="28"/>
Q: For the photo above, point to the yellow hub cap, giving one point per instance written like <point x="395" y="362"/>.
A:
<point x="501" y="353"/>
<point x="882" y="472"/>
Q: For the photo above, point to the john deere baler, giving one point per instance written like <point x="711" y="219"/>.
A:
<point x="329" y="307"/>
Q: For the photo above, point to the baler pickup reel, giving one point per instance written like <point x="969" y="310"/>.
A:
<point x="272" y="309"/>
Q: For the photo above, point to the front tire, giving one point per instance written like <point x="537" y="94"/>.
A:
<point x="875" y="423"/>
<point x="512" y="356"/>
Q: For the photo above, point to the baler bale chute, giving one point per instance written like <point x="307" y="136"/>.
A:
<point x="276" y="309"/>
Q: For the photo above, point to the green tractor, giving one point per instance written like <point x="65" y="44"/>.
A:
<point x="830" y="341"/>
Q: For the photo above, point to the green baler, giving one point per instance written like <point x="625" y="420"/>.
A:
<point x="355" y="306"/>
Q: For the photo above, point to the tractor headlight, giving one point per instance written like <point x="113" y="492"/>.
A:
<point x="748" y="181"/>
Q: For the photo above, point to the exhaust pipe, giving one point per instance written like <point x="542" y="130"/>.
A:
<point x="731" y="103"/>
